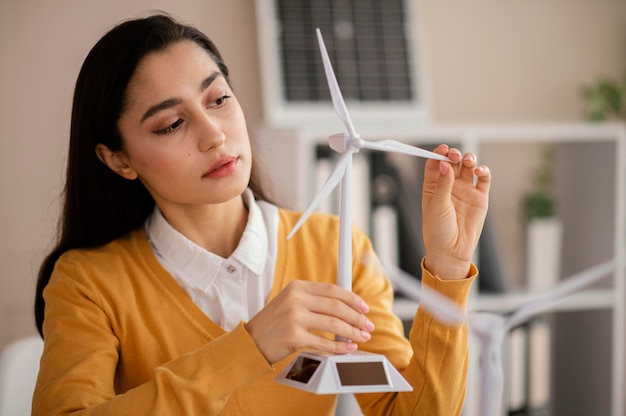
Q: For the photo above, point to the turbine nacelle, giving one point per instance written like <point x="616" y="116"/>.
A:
<point x="341" y="142"/>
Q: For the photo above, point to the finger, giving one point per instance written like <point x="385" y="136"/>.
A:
<point x="468" y="165"/>
<point x="432" y="168"/>
<point x="338" y="317"/>
<point x="456" y="156"/>
<point x="445" y="181"/>
<point x="331" y="291"/>
<point x="442" y="189"/>
<point x="322" y="344"/>
<point x="442" y="149"/>
<point x="339" y="327"/>
<point x="337" y="311"/>
<point x="484" y="179"/>
<point x="432" y="165"/>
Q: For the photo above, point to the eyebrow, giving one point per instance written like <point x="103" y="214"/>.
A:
<point x="171" y="102"/>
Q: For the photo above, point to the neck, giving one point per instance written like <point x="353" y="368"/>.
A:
<point x="217" y="228"/>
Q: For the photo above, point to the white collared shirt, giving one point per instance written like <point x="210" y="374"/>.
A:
<point x="228" y="290"/>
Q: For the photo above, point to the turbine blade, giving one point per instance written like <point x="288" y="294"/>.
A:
<point x="330" y="184"/>
<point x="394" y="146"/>
<point x="568" y="286"/>
<point x="438" y="305"/>
<point x="333" y="86"/>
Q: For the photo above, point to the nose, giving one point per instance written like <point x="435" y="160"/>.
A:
<point x="210" y="133"/>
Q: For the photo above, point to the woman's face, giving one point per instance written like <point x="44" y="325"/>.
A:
<point x="184" y="132"/>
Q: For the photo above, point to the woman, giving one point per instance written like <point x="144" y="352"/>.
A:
<point x="173" y="288"/>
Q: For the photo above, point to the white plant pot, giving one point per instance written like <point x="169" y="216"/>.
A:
<point x="543" y="267"/>
<point x="543" y="253"/>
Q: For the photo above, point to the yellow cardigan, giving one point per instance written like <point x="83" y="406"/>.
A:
<point x="122" y="337"/>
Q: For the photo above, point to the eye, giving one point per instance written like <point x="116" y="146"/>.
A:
<point x="220" y="101"/>
<point x="171" y="128"/>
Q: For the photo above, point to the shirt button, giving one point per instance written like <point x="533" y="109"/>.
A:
<point x="230" y="269"/>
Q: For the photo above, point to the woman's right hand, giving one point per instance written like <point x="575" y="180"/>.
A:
<point x="290" y="321"/>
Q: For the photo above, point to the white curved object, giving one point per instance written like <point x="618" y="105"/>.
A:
<point x="490" y="329"/>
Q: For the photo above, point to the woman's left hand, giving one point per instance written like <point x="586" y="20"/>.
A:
<point x="454" y="205"/>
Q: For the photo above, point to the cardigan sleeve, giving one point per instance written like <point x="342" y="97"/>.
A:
<point x="82" y="353"/>
<point x="435" y="358"/>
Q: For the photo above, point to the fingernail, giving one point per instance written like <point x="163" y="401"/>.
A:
<point x="369" y="325"/>
<point x="366" y="335"/>
<point x="351" y="346"/>
<point x="364" y="308"/>
<point x="443" y="168"/>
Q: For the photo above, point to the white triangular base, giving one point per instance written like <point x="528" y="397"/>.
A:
<point x="359" y="372"/>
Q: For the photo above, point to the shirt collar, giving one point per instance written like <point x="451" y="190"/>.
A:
<point x="198" y="264"/>
<point x="252" y="248"/>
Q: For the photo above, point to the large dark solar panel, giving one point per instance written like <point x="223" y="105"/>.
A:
<point x="367" y="43"/>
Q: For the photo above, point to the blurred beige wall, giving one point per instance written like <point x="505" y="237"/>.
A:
<point x="42" y="45"/>
<point x="521" y="61"/>
<point x="487" y="61"/>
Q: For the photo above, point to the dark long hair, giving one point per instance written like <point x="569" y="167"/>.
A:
<point x="100" y="205"/>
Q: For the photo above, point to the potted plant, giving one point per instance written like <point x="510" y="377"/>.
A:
<point x="543" y="227"/>
<point x="540" y="201"/>
<point x="605" y="99"/>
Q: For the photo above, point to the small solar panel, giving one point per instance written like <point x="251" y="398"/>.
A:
<point x="367" y="41"/>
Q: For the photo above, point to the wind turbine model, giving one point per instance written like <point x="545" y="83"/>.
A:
<point x="490" y="329"/>
<point x="357" y="372"/>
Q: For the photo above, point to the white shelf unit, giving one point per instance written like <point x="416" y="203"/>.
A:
<point x="296" y="167"/>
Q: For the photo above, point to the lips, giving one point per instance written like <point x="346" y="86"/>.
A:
<point x="221" y="168"/>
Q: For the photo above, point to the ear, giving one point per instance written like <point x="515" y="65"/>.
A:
<point x="116" y="161"/>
